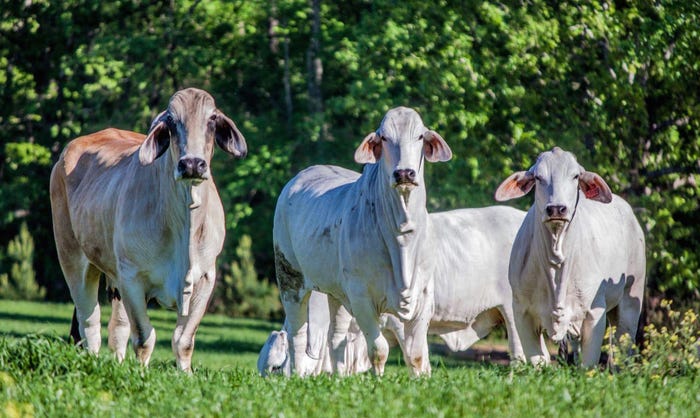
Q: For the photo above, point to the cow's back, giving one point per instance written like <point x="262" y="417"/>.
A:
<point x="308" y="217"/>
<point x="473" y="249"/>
<point x="86" y="182"/>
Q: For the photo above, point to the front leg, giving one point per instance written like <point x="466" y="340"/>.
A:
<point x="533" y="346"/>
<point x="186" y="328"/>
<point x="368" y="321"/>
<point x="416" y="333"/>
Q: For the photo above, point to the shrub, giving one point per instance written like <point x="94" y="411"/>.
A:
<point x="21" y="282"/>
<point x="669" y="349"/>
<point x="240" y="293"/>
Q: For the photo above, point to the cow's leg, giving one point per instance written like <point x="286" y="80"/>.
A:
<point x="340" y="323"/>
<point x="119" y="328"/>
<point x="515" y="347"/>
<point x="295" y="308"/>
<point x="83" y="281"/>
<point x="592" y="334"/>
<point x="534" y="349"/>
<point x="186" y="328"/>
<point x="368" y="321"/>
<point x="87" y="308"/>
<point x="416" y="352"/>
<point x="143" y="336"/>
<point x="82" y="277"/>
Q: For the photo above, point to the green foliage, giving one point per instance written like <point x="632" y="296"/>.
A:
<point x="241" y="294"/>
<point x="21" y="283"/>
<point x="500" y="81"/>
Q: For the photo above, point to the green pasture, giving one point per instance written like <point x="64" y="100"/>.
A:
<point x="41" y="375"/>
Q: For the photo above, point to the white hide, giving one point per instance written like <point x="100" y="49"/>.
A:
<point x="365" y="240"/>
<point x="578" y="256"/>
<point x="144" y="210"/>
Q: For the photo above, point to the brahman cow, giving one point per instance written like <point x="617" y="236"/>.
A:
<point x="578" y="256"/>
<point x="365" y="240"/>
<point x="472" y="293"/>
<point x="150" y="220"/>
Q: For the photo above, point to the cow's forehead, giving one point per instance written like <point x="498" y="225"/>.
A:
<point x="186" y="102"/>
<point x="556" y="160"/>
<point x="401" y="122"/>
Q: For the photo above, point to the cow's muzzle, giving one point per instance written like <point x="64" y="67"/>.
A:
<point x="405" y="179"/>
<point x="192" y="168"/>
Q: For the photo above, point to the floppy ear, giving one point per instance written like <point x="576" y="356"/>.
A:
<point x="594" y="187"/>
<point x="516" y="185"/>
<point x="435" y="148"/>
<point x="157" y="140"/>
<point x="228" y="137"/>
<point x="370" y="150"/>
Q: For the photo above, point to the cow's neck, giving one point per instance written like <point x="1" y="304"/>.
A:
<point x="552" y="243"/>
<point x="185" y="207"/>
<point x="403" y="227"/>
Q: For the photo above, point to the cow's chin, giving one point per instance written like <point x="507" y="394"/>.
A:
<point x="405" y="188"/>
<point x="194" y="181"/>
<point x="555" y="225"/>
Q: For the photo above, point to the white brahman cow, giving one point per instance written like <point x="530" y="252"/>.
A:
<point x="472" y="293"/>
<point x="578" y="256"/>
<point x="150" y="220"/>
<point x="365" y="240"/>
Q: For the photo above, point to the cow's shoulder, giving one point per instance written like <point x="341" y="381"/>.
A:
<point x="108" y="147"/>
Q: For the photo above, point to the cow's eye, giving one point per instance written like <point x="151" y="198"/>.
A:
<point x="212" y="118"/>
<point x="576" y="177"/>
<point x="169" y="120"/>
<point x="538" y="179"/>
<point x="382" y="137"/>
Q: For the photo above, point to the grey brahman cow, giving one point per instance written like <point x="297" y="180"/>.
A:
<point x="365" y="240"/>
<point x="144" y="210"/>
<point x="579" y="256"/>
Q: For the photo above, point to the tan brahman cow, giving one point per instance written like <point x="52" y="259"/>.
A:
<point x="144" y="210"/>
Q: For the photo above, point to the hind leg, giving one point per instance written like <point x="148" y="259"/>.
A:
<point x="87" y="309"/>
<point x="340" y="323"/>
<point x="118" y="328"/>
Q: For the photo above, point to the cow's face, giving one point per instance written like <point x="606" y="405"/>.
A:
<point x="402" y="142"/>
<point x="190" y="127"/>
<point x="557" y="178"/>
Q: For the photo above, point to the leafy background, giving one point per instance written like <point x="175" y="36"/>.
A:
<point x="614" y="82"/>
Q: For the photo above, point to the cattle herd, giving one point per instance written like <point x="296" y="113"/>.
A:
<point x="360" y="263"/>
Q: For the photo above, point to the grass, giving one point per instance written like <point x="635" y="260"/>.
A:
<point x="41" y="375"/>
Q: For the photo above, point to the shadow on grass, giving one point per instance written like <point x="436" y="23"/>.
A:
<point x="38" y="318"/>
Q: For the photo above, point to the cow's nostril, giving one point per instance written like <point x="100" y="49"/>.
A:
<point x="411" y="174"/>
<point x="182" y="166"/>
<point x="201" y="166"/>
